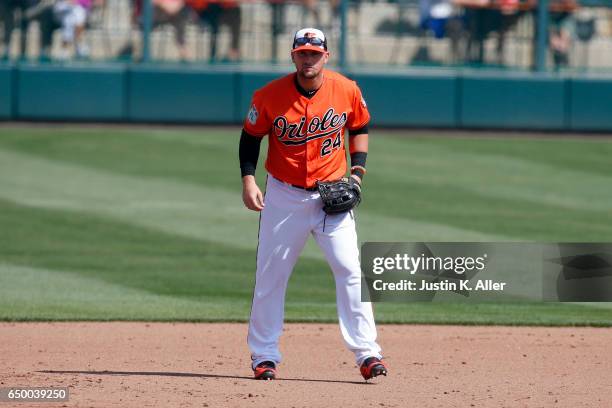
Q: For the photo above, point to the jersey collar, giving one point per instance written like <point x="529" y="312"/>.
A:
<point x="302" y="91"/>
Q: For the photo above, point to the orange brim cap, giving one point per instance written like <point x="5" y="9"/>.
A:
<point x="309" y="47"/>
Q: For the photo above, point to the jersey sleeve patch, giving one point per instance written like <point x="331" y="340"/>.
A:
<point x="253" y="115"/>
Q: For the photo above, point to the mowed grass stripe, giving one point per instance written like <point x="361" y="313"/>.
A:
<point x="83" y="191"/>
<point x="587" y="154"/>
<point x="517" y="218"/>
<point x="182" y="208"/>
<point x="536" y="314"/>
<point x="179" y="208"/>
<point x="454" y="204"/>
<point x="425" y="200"/>
<point x="200" y="155"/>
<point x="140" y="258"/>
<point x="495" y="195"/>
<point x="28" y="293"/>
<point x="497" y="175"/>
<point x="460" y="210"/>
<point x="448" y="160"/>
<point x="577" y="153"/>
<point x="212" y="163"/>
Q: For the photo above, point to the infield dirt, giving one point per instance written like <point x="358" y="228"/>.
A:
<point x="207" y="365"/>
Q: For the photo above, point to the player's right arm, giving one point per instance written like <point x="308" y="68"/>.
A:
<point x="249" y="154"/>
<point x="256" y="126"/>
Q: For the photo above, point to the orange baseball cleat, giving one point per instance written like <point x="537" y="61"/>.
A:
<point x="372" y="367"/>
<point x="265" y="370"/>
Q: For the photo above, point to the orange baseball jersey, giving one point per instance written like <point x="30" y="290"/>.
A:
<point x="306" y="135"/>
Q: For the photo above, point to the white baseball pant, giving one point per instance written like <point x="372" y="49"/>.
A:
<point x="290" y="215"/>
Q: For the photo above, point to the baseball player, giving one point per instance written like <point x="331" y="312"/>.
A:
<point x="305" y="115"/>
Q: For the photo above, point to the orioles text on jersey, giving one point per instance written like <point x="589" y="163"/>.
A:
<point x="300" y="133"/>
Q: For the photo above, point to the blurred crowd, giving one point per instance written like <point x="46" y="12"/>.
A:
<point x="71" y="17"/>
<point x="466" y="24"/>
<point x="68" y="16"/>
<point x="469" y="23"/>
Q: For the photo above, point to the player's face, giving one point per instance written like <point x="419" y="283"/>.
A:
<point x="309" y="64"/>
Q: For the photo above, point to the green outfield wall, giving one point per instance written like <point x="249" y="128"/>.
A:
<point x="181" y="95"/>
<point x="83" y="93"/>
<point x="590" y="104"/>
<point x="6" y="92"/>
<point x="410" y="100"/>
<point x="523" y="102"/>
<point x="221" y="95"/>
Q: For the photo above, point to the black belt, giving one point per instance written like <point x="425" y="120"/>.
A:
<point x="315" y="188"/>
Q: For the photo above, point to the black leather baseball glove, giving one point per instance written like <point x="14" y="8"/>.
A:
<point x="339" y="196"/>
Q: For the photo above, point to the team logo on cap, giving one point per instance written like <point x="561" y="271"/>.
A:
<point x="309" y="35"/>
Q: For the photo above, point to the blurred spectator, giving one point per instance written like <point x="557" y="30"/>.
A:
<point x="172" y="12"/>
<point x="434" y="14"/>
<point x="439" y="18"/>
<point x="24" y="12"/>
<point x="71" y="15"/>
<point x="484" y="17"/>
<point x="42" y="11"/>
<point x="9" y="18"/>
<point x="562" y="29"/>
<point x="585" y="24"/>
<point x="278" y="24"/>
<point x="177" y="14"/>
<point x="480" y="21"/>
<point x="216" y="13"/>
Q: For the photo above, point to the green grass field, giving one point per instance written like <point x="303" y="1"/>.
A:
<point x="103" y="223"/>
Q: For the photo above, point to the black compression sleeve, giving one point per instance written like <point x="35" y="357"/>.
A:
<point x="360" y="131"/>
<point x="248" y="153"/>
<point x="358" y="162"/>
<point x="358" y="159"/>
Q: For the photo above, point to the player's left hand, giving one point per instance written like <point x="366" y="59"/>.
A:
<point x="251" y="194"/>
<point x="340" y="196"/>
